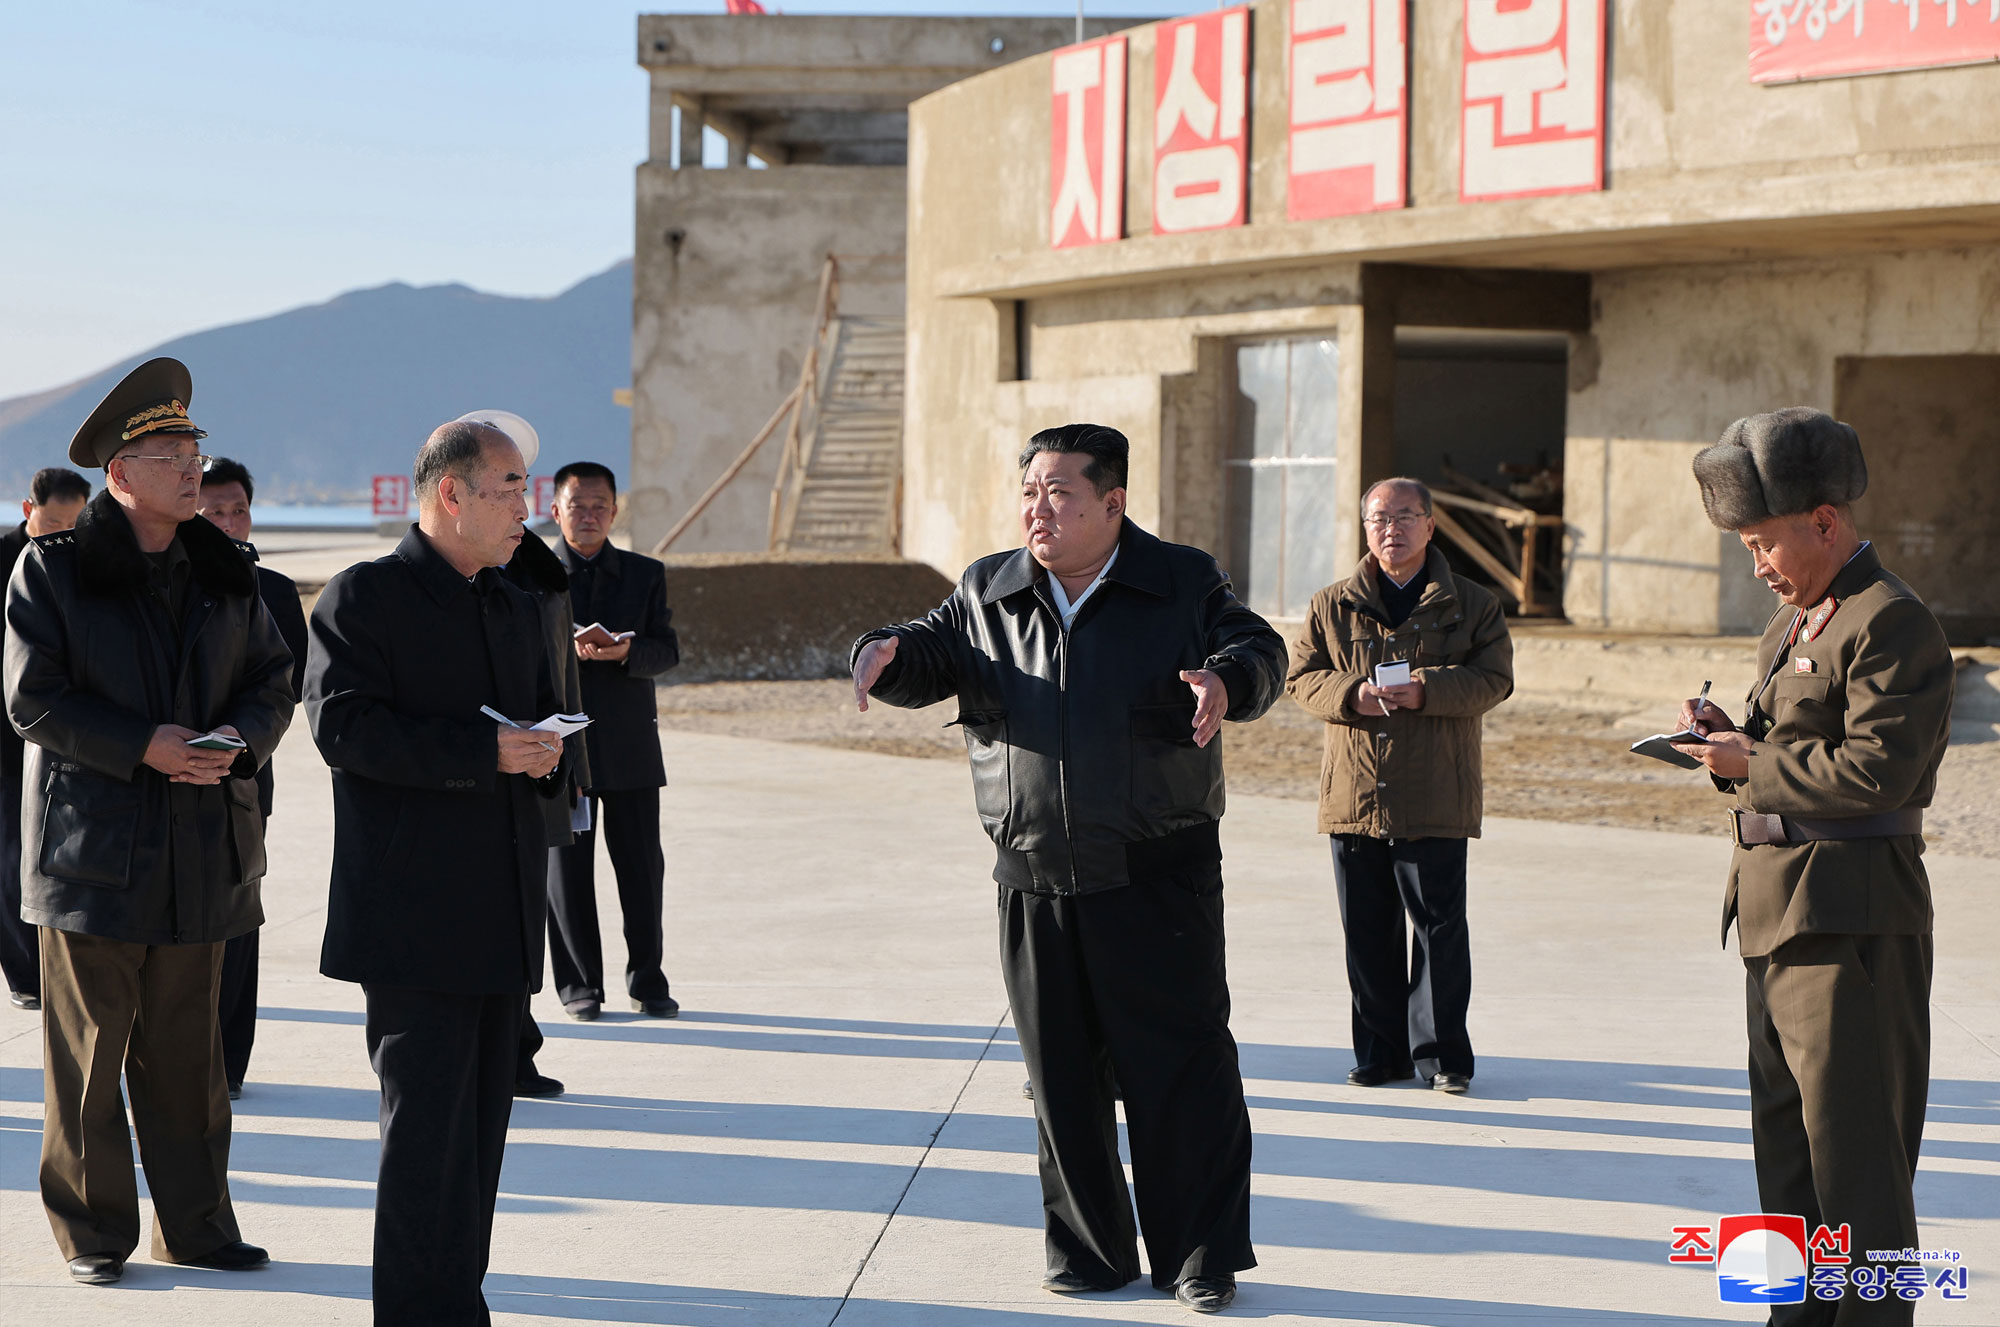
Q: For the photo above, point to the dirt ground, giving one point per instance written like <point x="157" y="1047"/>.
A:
<point x="1543" y="761"/>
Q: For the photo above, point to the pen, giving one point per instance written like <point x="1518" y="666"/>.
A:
<point x="1701" y="701"/>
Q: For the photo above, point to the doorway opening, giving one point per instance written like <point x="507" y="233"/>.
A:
<point x="1481" y="416"/>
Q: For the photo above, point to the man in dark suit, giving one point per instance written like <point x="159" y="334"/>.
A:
<point x="226" y="493"/>
<point x="55" y="499"/>
<point x="440" y="854"/>
<point x="626" y="594"/>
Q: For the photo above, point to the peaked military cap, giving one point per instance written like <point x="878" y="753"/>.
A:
<point x="152" y="398"/>
<point x="1779" y="464"/>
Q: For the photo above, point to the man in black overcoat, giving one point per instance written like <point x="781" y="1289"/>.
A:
<point x="438" y="895"/>
<point x="1093" y="669"/>
<point x="130" y="640"/>
<point x="55" y="499"/>
<point x="226" y="493"/>
<point x="623" y="592"/>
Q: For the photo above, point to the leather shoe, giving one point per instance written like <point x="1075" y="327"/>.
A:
<point x="235" y="1091"/>
<point x="1456" y="1084"/>
<point x="234" y="1257"/>
<point x="667" y="1008"/>
<point x="1206" y="1294"/>
<point x="1028" y="1089"/>
<point x="22" y="1000"/>
<point x="1069" y="1283"/>
<point x="538" y="1085"/>
<point x="583" y="1011"/>
<point x="97" y="1269"/>
<point x="1374" y="1075"/>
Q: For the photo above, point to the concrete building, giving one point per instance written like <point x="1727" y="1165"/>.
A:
<point x="1686" y="241"/>
<point x="728" y="261"/>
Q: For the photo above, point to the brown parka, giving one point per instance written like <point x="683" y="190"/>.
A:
<point x="1415" y="773"/>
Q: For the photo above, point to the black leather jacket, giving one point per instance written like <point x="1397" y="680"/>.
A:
<point x="1084" y="766"/>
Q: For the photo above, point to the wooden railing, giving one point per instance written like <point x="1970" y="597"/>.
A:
<point x="801" y="404"/>
<point x="1514" y="528"/>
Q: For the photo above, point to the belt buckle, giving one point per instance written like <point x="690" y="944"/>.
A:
<point x="1735" y="814"/>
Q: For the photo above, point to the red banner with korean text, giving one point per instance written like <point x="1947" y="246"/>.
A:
<point x="1350" y="126"/>
<point x="1201" y="82"/>
<point x="1087" y="144"/>
<point x="1532" y="99"/>
<point x="1794" y="39"/>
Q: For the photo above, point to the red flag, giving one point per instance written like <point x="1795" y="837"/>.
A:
<point x="744" y="6"/>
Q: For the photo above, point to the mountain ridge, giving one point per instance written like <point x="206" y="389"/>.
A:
<point x="316" y="399"/>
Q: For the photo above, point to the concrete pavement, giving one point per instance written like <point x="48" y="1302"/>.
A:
<point x="833" y="1130"/>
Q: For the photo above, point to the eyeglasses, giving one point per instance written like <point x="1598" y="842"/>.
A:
<point x="186" y="464"/>
<point x="1402" y="520"/>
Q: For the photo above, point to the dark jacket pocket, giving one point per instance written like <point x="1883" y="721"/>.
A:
<point x="246" y="826"/>
<point x="88" y="828"/>
<point x="1169" y="772"/>
<point x="986" y="747"/>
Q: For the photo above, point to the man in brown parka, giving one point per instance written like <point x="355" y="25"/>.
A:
<point x="1400" y="786"/>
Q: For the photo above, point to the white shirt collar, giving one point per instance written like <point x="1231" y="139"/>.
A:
<point x="1064" y="606"/>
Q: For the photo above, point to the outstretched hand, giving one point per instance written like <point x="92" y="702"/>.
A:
<point x="868" y="666"/>
<point x="1211" y="703"/>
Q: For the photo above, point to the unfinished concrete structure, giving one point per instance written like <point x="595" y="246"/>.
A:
<point x="728" y="262"/>
<point x="1833" y="243"/>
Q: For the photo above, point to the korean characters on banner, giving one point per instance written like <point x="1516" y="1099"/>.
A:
<point x="1201" y="82"/>
<point x="1350" y="128"/>
<point x="1533" y="99"/>
<point x="542" y="497"/>
<point x="389" y="497"/>
<point x="1794" y="39"/>
<point x="1087" y="144"/>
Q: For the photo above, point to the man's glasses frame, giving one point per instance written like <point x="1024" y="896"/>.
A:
<point x="1402" y="520"/>
<point x="199" y="463"/>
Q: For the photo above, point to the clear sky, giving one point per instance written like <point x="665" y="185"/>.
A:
<point x="171" y="165"/>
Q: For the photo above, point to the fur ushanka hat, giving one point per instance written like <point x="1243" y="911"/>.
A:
<point x="1779" y="464"/>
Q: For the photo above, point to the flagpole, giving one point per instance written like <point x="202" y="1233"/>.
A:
<point x="1079" y="21"/>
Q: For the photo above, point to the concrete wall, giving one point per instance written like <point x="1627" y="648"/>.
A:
<point x="722" y="312"/>
<point x="1746" y="237"/>
<point x="1679" y="352"/>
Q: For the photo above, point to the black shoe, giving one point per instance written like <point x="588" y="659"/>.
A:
<point x="236" y="1257"/>
<point x="1206" y="1294"/>
<point x="235" y="1091"/>
<point x="1069" y="1283"/>
<point x="22" y="1000"/>
<point x="1028" y="1091"/>
<point x="1456" y="1084"/>
<point x="96" y="1269"/>
<point x="1370" y="1075"/>
<point x="667" y="1008"/>
<point x="583" y="1011"/>
<point x="538" y="1085"/>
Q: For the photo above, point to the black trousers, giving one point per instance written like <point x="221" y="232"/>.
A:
<point x="1128" y="987"/>
<point x="1840" y="1053"/>
<point x="630" y="822"/>
<point x="236" y="1005"/>
<point x="446" y="1062"/>
<point x="20" y="950"/>
<point x="1406" y="1017"/>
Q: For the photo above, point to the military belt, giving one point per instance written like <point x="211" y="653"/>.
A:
<point x="1751" y="828"/>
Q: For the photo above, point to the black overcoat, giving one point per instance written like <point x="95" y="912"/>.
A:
<point x="110" y="846"/>
<point x="439" y="860"/>
<point x="539" y="574"/>
<point x="280" y="594"/>
<point x="624" y="591"/>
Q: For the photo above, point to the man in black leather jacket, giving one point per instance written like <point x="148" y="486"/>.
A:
<point x="1093" y="669"/>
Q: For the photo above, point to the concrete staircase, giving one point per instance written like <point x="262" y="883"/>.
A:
<point x="846" y="491"/>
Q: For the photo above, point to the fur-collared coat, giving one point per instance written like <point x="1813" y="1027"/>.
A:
<point x="111" y="847"/>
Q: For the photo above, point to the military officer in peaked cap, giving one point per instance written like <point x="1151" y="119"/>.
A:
<point x="1831" y="768"/>
<point x="128" y="639"/>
